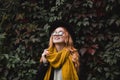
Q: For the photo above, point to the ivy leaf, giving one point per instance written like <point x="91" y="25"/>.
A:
<point x="2" y="35"/>
<point x="91" y="51"/>
<point x="83" y="50"/>
<point x="6" y="56"/>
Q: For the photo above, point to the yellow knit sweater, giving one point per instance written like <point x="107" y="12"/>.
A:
<point x="63" y="60"/>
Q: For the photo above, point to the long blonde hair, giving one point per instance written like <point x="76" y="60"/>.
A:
<point x="70" y="46"/>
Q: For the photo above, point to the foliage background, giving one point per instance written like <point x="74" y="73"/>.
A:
<point x="24" y="35"/>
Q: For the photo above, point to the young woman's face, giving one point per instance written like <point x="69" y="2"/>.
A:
<point x="58" y="35"/>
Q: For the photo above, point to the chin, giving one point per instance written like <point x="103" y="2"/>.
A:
<point x="56" y="42"/>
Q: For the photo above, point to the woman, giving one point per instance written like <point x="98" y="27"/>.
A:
<point x="61" y="58"/>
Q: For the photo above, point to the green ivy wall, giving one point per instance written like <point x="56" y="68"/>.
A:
<point x="24" y="34"/>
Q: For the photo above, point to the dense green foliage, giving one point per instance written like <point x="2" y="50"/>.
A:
<point x="24" y="35"/>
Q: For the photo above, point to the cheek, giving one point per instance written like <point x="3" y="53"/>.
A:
<point x="62" y="39"/>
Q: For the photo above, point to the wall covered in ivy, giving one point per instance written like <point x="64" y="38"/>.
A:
<point x="24" y="35"/>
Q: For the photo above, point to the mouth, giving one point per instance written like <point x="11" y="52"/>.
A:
<point x="56" y="38"/>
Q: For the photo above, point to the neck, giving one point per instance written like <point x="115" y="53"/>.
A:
<point x="59" y="47"/>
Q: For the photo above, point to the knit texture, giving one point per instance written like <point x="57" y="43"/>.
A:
<point x="61" y="59"/>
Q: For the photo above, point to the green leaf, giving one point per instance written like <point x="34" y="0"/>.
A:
<point x="107" y="75"/>
<point x="2" y="35"/>
<point x="6" y="56"/>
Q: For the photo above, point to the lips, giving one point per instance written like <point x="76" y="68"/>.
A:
<point x="57" y="38"/>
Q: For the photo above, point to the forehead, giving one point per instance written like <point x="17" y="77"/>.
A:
<point x="59" y="29"/>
